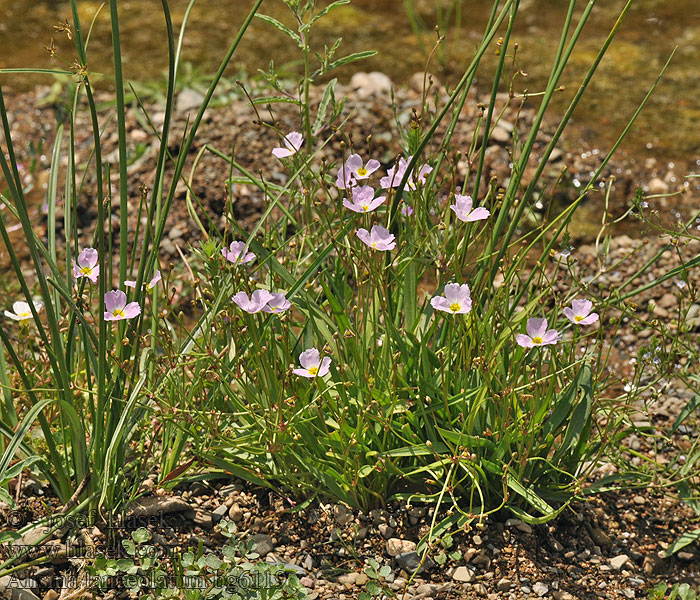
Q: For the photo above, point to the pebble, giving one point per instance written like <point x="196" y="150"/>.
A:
<point x="188" y="99"/>
<point x="619" y="561"/>
<point x="519" y="525"/>
<point x="658" y="186"/>
<point x="385" y="530"/>
<point x="481" y="559"/>
<point x="686" y="555"/>
<point x="348" y="578"/>
<point x="308" y="562"/>
<point x="342" y="514"/>
<point x="504" y="584"/>
<point x="540" y="588"/>
<point x="500" y="135"/>
<point x="667" y="301"/>
<point x="370" y="84"/>
<point x="464" y="574"/>
<point x="556" y="156"/>
<point x="480" y="589"/>
<point x="410" y="561"/>
<point x="469" y="554"/>
<point x="262" y="544"/>
<point x="418" y="79"/>
<point x="600" y="537"/>
<point x="235" y="513"/>
<point x="138" y="135"/>
<point x="396" y="546"/>
<point x="219" y="513"/>
<point x="175" y="234"/>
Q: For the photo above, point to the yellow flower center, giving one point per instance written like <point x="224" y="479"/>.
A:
<point x="362" y="171"/>
<point x="118" y="313"/>
<point x="86" y="270"/>
<point x="313" y="370"/>
<point x="578" y="318"/>
<point x="24" y="314"/>
<point x="365" y="207"/>
<point x="374" y="244"/>
<point x="537" y="340"/>
<point x="455" y="307"/>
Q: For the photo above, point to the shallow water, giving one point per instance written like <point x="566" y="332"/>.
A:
<point x="668" y="130"/>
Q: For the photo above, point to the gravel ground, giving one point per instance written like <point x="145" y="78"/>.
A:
<point x="607" y="547"/>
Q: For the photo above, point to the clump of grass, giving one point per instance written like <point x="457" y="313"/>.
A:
<point x="82" y="357"/>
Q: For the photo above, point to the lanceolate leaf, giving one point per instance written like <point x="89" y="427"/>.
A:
<point x="282" y="27"/>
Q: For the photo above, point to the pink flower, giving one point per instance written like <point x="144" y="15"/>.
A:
<point x="537" y="334"/>
<point x="580" y="312"/>
<point x="463" y="209"/>
<point x="292" y="141"/>
<point x="355" y="170"/>
<point x="378" y="239"/>
<point x="86" y="265"/>
<point x="456" y="299"/>
<point x="406" y="210"/>
<point x="277" y="304"/>
<point x="363" y="200"/>
<point x="233" y="254"/>
<point x="118" y="309"/>
<point x="258" y="300"/>
<point x="312" y="364"/>
<point x="396" y="173"/>
<point x="149" y="286"/>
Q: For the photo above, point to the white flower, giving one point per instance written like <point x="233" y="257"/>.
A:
<point x="22" y="310"/>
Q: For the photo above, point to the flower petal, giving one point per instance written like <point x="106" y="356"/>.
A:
<point x="524" y="340"/>
<point x="88" y="257"/>
<point x="282" y="152"/>
<point x="536" y="327"/>
<point x="310" y="358"/>
<point x="590" y="319"/>
<point x="132" y="310"/>
<point x="464" y="203"/>
<point x="372" y="165"/>
<point x="550" y="337"/>
<point x="353" y="162"/>
<point x="478" y="214"/>
<point x="363" y="234"/>
<point x="325" y="366"/>
<point x="115" y="300"/>
<point x="294" y="140"/>
<point x="241" y="299"/>
<point x="582" y="307"/>
<point x="303" y="373"/>
<point x="440" y="303"/>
